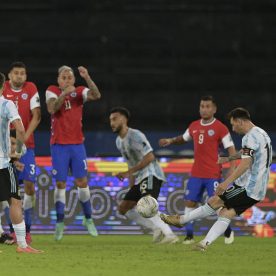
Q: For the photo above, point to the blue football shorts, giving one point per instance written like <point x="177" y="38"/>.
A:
<point x="197" y="186"/>
<point x="68" y="157"/>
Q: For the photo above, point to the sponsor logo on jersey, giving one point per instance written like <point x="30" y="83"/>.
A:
<point x="194" y="131"/>
<point x="211" y="132"/>
<point x="73" y="94"/>
<point x="9" y="96"/>
<point x="24" y="96"/>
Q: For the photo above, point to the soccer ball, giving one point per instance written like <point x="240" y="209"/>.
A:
<point x="147" y="206"/>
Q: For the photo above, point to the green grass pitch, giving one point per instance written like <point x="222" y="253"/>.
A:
<point x="136" y="256"/>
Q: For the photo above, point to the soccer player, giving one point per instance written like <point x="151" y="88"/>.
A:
<point x="144" y="174"/>
<point x="6" y="238"/>
<point x="250" y="180"/>
<point x="8" y="178"/>
<point x="65" y="104"/>
<point x="207" y="133"/>
<point x="26" y="98"/>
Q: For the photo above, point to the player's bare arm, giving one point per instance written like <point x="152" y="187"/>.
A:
<point x="164" y="142"/>
<point x="142" y="164"/>
<point x="241" y="169"/>
<point x="19" y="166"/>
<point x="20" y="136"/>
<point x="231" y="151"/>
<point x="36" y="118"/>
<point x="131" y="181"/>
<point x="54" y="104"/>
<point x="226" y="159"/>
<point x="93" y="93"/>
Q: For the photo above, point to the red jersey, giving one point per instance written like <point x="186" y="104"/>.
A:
<point x="66" y="124"/>
<point x="25" y="99"/>
<point x="207" y="140"/>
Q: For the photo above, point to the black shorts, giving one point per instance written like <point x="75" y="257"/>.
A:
<point x="8" y="184"/>
<point x="148" y="186"/>
<point x="235" y="197"/>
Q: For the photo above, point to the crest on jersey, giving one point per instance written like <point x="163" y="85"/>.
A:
<point x="54" y="172"/>
<point x="211" y="132"/>
<point x="24" y="96"/>
<point x="73" y="94"/>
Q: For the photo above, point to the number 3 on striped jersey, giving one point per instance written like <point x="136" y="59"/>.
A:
<point x="201" y="138"/>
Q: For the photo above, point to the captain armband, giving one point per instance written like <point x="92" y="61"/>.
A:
<point x="248" y="152"/>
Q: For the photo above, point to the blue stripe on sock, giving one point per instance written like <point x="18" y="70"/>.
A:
<point x="87" y="210"/>
<point x="60" y="211"/>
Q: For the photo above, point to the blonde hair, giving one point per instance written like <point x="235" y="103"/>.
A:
<point x="65" y="68"/>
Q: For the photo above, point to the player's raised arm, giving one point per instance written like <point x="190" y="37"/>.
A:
<point x="93" y="93"/>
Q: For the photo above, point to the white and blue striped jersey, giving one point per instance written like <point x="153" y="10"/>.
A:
<point x="133" y="147"/>
<point x="8" y="113"/>
<point x="256" y="144"/>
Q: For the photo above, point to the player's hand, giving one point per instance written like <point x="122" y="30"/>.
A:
<point x="221" y="188"/>
<point x="68" y="89"/>
<point x="222" y="160"/>
<point x="19" y="166"/>
<point x="164" y="142"/>
<point x="83" y="72"/>
<point x="122" y="175"/>
<point x="15" y="156"/>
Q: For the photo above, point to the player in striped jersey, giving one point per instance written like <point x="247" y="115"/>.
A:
<point x="25" y="96"/>
<point x="8" y="181"/>
<point x="250" y="180"/>
<point x="144" y="174"/>
<point x="208" y="135"/>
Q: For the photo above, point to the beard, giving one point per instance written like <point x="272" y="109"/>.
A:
<point x="117" y="129"/>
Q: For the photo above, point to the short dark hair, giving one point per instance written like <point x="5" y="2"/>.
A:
<point x="2" y="80"/>
<point x="208" y="98"/>
<point x="17" y="64"/>
<point x="122" y="110"/>
<point x="239" y="113"/>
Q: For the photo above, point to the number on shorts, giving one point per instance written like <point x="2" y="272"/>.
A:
<point x="201" y="138"/>
<point x="32" y="171"/>
<point x="143" y="187"/>
<point x="85" y="164"/>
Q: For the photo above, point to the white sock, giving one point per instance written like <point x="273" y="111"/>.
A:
<point x="28" y="201"/>
<point x="20" y="233"/>
<point x="5" y="204"/>
<point x="189" y="210"/>
<point x="132" y="214"/>
<point x="84" y="194"/>
<point x="1" y="228"/>
<point x="159" y="223"/>
<point x="216" y="230"/>
<point x="200" y="212"/>
<point x="59" y="195"/>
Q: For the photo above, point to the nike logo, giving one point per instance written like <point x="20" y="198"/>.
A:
<point x="9" y="96"/>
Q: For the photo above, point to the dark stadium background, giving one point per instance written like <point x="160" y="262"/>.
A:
<point x="156" y="57"/>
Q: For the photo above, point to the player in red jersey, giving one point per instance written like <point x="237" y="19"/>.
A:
<point x="207" y="133"/>
<point x="26" y="98"/>
<point x="65" y="104"/>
